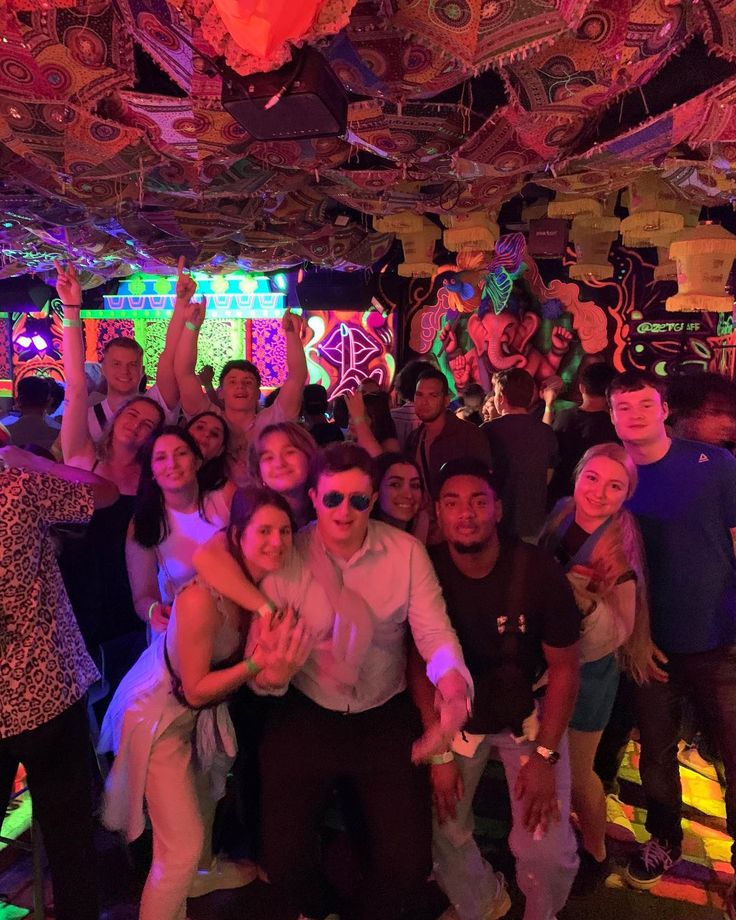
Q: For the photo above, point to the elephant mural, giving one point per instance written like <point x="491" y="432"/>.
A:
<point x="494" y="319"/>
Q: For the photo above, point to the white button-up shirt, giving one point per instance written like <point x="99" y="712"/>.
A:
<point x="394" y="575"/>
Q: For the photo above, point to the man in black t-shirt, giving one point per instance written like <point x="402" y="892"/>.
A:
<point x="516" y="618"/>
<point x="582" y="427"/>
<point x="523" y="454"/>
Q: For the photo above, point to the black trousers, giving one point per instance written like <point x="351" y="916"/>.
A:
<point x="306" y="751"/>
<point x="56" y="757"/>
<point x="709" y="679"/>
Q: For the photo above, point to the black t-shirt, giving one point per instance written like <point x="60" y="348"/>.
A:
<point x="577" y="431"/>
<point x="523" y="449"/>
<point x="501" y="621"/>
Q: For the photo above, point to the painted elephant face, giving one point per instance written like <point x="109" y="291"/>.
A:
<point x="504" y="337"/>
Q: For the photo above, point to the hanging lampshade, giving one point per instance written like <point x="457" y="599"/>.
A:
<point x="401" y="222"/>
<point x="568" y="207"/>
<point x="592" y="237"/>
<point x="704" y="257"/>
<point x="666" y="270"/>
<point x="477" y="231"/>
<point x="656" y="212"/>
<point x="419" y="251"/>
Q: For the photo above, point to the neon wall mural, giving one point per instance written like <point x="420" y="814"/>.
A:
<point x="243" y="321"/>
<point x="505" y="314"/>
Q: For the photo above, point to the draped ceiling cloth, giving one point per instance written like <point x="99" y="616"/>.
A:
<point x="114" y="144"/>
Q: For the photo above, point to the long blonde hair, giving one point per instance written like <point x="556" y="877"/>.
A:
<point x="103" y="448"/>
<point x="618" y="551"/>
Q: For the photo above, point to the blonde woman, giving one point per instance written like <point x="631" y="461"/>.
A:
<point x="597" y="541"/>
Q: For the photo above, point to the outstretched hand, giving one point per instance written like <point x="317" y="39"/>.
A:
<point x="186" y="286"/>
<point x="195" y="312"/>
<point x="67" y="284"/>
<point x="290" y="322"/>
<point x="285" y="644"/>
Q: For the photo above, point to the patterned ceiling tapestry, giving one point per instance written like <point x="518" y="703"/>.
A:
<point x="115" y="146"/>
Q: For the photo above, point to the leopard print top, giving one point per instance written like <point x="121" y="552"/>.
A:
<point x="44" y="666"/>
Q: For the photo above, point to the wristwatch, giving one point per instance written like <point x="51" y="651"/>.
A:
<point x="546" y="754"/>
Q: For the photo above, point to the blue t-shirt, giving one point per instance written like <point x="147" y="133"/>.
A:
<point x="685" y="504"/>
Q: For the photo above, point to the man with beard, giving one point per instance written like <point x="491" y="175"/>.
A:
<point x="517" y="620"/>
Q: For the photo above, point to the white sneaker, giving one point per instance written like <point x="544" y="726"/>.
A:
<point x="222" y="875"/>
<point x="497" y="910"/>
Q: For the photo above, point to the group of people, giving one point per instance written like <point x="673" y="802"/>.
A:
<point x="371" y="610"/>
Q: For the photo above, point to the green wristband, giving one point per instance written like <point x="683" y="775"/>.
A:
<point x="150" y="610"/>
<point x="71" y="323"/>
<point x="437" y="759"/>
<point x="191" y="326"/>
<point x="251" y="667"/>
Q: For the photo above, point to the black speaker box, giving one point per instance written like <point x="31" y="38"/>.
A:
<point x="333" y="290"/>
<point x="311" y="101"/>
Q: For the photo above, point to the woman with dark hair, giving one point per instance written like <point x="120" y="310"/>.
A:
<point x="397" y="480"/>
<point x="371" y="424"/>
<point x="598" y="542"/>
<point x="280" y="456"/>
<point x="173" y="516"/>
<point x="168" y="723"/>
<point x="211" y="433"/>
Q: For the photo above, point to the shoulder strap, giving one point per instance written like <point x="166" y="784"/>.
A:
<point x="100" y="415"/>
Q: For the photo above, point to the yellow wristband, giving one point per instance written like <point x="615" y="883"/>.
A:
<point x="436" y="759"/>
<point x="150" y="610"/>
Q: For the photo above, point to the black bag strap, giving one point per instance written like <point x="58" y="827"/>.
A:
<point x="100" y="414"/>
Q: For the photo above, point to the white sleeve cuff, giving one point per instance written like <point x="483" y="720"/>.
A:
<point x="445" y="659"/>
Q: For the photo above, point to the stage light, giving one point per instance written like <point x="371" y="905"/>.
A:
<point x="280" y="281"/>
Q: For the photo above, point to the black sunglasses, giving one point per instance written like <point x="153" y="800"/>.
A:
<point x="358" y="500"/>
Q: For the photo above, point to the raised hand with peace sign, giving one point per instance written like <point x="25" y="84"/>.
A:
<point x="67" y="284"/>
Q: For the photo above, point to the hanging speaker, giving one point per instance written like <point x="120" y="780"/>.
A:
<point x="303" y="98"/>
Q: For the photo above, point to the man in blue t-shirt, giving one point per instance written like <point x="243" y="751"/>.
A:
<point x="685" y="504"/>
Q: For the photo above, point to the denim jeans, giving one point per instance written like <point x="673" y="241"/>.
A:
<point x="545" y="867"/>
<point x="709" y="679"/>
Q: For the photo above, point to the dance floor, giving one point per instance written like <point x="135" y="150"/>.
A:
<point x="692" y="891"/>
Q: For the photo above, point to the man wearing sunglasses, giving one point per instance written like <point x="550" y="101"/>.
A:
<point x="359" y="585"/>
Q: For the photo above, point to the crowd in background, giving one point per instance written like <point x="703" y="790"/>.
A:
<point x="366" y="597"/>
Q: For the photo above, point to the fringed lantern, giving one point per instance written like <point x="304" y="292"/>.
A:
<point x="592" y="237"/>
<point x="477" y="231"/>
<point x="568" y="207"/>
<point x="704" y="257"/>
<point x="419" y="250"/>
<point x="666" y="270"/>
<point x="401" y="222"/>
<point x="656" y="212"/>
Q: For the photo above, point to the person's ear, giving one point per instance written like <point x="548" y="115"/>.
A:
<point x="312" y="493"/>
<point x="665" y="409"/>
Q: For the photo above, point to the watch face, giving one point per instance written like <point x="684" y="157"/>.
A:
<point x="553" y="757"/>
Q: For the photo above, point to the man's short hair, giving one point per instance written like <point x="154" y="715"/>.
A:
<point x="690" y="395"/>
<point x="468" y="466"/>
<point x="517" y="386"/>
<point x="123" y="341"/>
<point x="596" y="378"/>
<point x="240" y="364"/>
<point x="339" y="458"/>
<point x="434" y="374"/>
<point x="631" y="381"/>
<point x="56" y="394"/>
<point x="33" y="392"/>
<point x="406" y="379"/>
<point x="314" y="399"/>
<point x="474" y="389"/>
